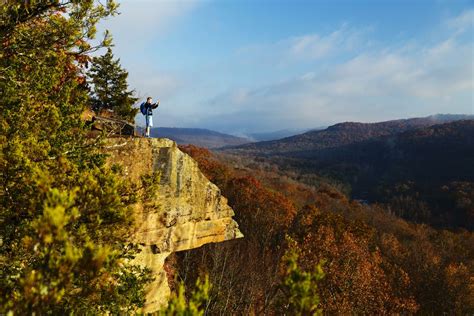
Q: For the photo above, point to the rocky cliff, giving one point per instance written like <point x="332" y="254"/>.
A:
<point x="185" y="211"/>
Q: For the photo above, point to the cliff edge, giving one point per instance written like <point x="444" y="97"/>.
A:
<point x="185" y="211"/>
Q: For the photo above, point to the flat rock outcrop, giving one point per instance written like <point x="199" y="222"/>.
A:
<point x="185" y="211"/>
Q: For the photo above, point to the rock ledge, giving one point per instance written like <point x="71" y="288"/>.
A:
<point x="187" y="212"/>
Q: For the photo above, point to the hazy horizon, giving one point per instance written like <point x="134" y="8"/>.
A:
<point x="296" y="131"/>
<point x="243" y="67"/>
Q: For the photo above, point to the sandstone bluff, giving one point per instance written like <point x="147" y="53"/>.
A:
<point x="186" y="212"/>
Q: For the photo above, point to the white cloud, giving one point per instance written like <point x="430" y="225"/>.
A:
<point x="313" y="46"/>
<point x="135" y="30"/>
<point x="335" y="76"/>
<point x="141" y="22"/>
<point x="463" y="21"/>
<point x="148" y="82"/>
<point x="373" y="85"/>
<point x="318" y="46"/>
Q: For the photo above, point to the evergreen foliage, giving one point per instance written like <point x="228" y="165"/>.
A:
<point x="299" y="288"/>
<point x="179" y="305"/>
<point x="64" y="215"/>
<point x="110" y="87"/>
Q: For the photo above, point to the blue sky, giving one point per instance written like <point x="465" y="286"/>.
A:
<point x="240" y="66"/>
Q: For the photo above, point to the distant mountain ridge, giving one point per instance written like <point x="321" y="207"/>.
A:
<point x="422" y="169"/>
<point x="344" y="134"/>
<point x="197" y="136"/>
<point x="274" y="135"/>
<point x="427" y="174"/>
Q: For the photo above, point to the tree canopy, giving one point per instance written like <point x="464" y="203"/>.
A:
<point x="64" y="213"/>
<point x="110" y="88"/>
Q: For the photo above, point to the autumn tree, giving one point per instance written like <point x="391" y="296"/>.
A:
<point x="376" y="262"/>
<point x="355" y="280"/>
<point x="64" y="213"/>
<point x="110" y="88"/>
<point x="299" y="289"/>
<point x="242" y="286"/>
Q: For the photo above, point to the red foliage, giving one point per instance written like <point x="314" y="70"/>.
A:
<point x="375" y="263"/>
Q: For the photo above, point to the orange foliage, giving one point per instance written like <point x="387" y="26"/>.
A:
<point x="376" y="263"/>
<point x="355" y="280"/>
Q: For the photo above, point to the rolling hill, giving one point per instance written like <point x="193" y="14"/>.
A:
<point x="274" y="135"/>
<point x="420" y="171"/>
<point x="343" y="134"/>
<point x="199" y="137"/>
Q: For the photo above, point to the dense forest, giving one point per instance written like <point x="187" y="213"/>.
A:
<point x="374" y="262"/>
<point x="309" y="247"/>
<point x="343" y="134"/>
<point x="424" y="174"/>
<point x="66" y="215"/>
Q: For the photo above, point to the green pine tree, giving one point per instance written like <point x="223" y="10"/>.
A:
<point x="110" y="87"/>
<point x="64" y="215"/>
<point x="299" y="289"/>
<point x="194" y="305"/>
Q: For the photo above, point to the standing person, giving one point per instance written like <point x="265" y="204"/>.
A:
<point x="147" y="109"/>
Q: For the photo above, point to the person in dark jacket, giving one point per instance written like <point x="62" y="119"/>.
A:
<point x="147" y="110"/>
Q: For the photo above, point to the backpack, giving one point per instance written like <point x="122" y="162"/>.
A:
<point x="142" y="108"/>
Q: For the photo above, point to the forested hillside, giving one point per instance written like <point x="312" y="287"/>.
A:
<point x="374" y="262"/>
<point x="356" y="219"/>
<point x="342" y="134"/>
<point x="65" y="214"/>
<point x="425" y="175"/>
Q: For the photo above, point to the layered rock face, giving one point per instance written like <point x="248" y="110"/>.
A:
<point x="185" y="211"/>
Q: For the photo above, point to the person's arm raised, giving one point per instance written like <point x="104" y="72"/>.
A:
<point x="156" y="104"/>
